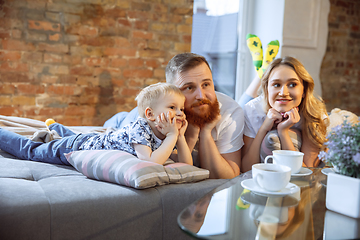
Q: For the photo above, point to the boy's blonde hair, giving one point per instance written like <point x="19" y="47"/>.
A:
<point x="149" y="95"/>
<point x="311" y="109"/>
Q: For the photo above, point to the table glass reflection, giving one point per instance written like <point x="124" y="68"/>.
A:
<point x="232" y="212"/>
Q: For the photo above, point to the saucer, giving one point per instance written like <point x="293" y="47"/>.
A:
<point x="303" y="172"/>
<point x="252" y="186"/>
<point x="326" y="171"/>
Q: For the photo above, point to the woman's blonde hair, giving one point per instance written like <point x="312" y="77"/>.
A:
<point x="149" y="95"/>
<point x="312" y="110"/>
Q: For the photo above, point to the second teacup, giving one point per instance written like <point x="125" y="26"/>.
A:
<point x="271" y="177"/>
<point x="292" y="159"/>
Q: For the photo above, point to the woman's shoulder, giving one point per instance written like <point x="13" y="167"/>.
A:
<point x="255" y="102"/>
<point x="254" y="107"/>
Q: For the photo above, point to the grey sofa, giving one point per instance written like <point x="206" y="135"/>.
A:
<point x="47" y="201"/>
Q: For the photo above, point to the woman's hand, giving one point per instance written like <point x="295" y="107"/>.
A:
<point x="272" y="117"/>
<point x="289" y="119"/>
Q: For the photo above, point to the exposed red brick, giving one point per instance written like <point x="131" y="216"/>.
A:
<point x="72" y="60"/>
<point x="60" y="48"/>
<point x="8" y="111"/>
<point x="139" y="15"/>
<point x="187" y="38"/>
<point x="23" y="100"/>
<point x="97" y="41"/>
<point x="60" y="90"/>
<point x="14" y="77"/>
<point x="137" y="73"/>
<point x="97" y="61"/>
<point x="120" y="52"/>
<point x="118" y="82"/>
<point x="130" y="91"/>
<point x="4" y="33"/>
<point x="118" y="62"/>
<point x="124" y="22"/>
<point x="339" y="73"/>
<point x="54" y="37"/>
<point x="136" y="62"/>
<point x="141" y="34"/>
<point x="143" y="25"/>
<point x="51" y="112"/>
<point x="139" y="43"/>
<point x="32" y="56"/>
<point x="81" y="70"/>
<point x="52" y="58"/>
<point x="30" y="89"/>
<point x="89" y="64"/>
<point x="152" y="63"/>
<point x="14" y="67"/>
<point x="12" y="44"/>
<point x="42" y="25"/>
<point x="7" y="89"/>
<point x="10" y="55"/>
<point x="115" y="12"/>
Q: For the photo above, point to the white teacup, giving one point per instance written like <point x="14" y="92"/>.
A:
<point x="292" y="159"/>
<point x="271" y="177"/>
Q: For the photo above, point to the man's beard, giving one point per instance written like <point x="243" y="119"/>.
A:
<point x="200" y="119"/>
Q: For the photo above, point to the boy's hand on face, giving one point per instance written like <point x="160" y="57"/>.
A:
<point x="183" y="128"/>
<point x="166" y="125"/>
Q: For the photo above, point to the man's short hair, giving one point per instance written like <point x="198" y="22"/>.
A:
<point x="149" y="95"/>
<point x="181" y="63"/>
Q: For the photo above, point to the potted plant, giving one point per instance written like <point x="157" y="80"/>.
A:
<point x="343" y="153"/>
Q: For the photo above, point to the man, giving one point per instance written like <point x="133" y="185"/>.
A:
<point x="216" y="121"/>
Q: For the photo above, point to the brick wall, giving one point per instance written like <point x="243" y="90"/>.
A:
<point x="82" y="61"/>
<point x="340" y="70"/>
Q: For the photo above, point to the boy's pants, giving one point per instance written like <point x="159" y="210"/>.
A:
<point x="61" y="130"/>
<point x="51" y="152"/>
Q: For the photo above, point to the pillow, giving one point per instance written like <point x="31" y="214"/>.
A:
<point x="338" y="116"/>
<point x="118" y="167"/>
<point x="272" y="142"/>
<point x="182" y="172"/>
<point x="122" y="168"/>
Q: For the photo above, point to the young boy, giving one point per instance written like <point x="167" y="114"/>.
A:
<point x="152" y="137"/>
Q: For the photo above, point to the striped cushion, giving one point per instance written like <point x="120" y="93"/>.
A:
<point x="181" y="173"/>
<point x="118" y="167"/>
<point x="125" y="169"/>
<point x="271" y="142"/>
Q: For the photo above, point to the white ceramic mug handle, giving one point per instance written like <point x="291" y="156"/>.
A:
<point x="268" y="157"/>
<point x="256" y="179"/>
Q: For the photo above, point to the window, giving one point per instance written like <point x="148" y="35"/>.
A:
<point x="215" y="37"/>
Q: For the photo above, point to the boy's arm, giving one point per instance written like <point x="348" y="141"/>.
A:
<point x="161" y="154"/>
<point x="183" y="151"/>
